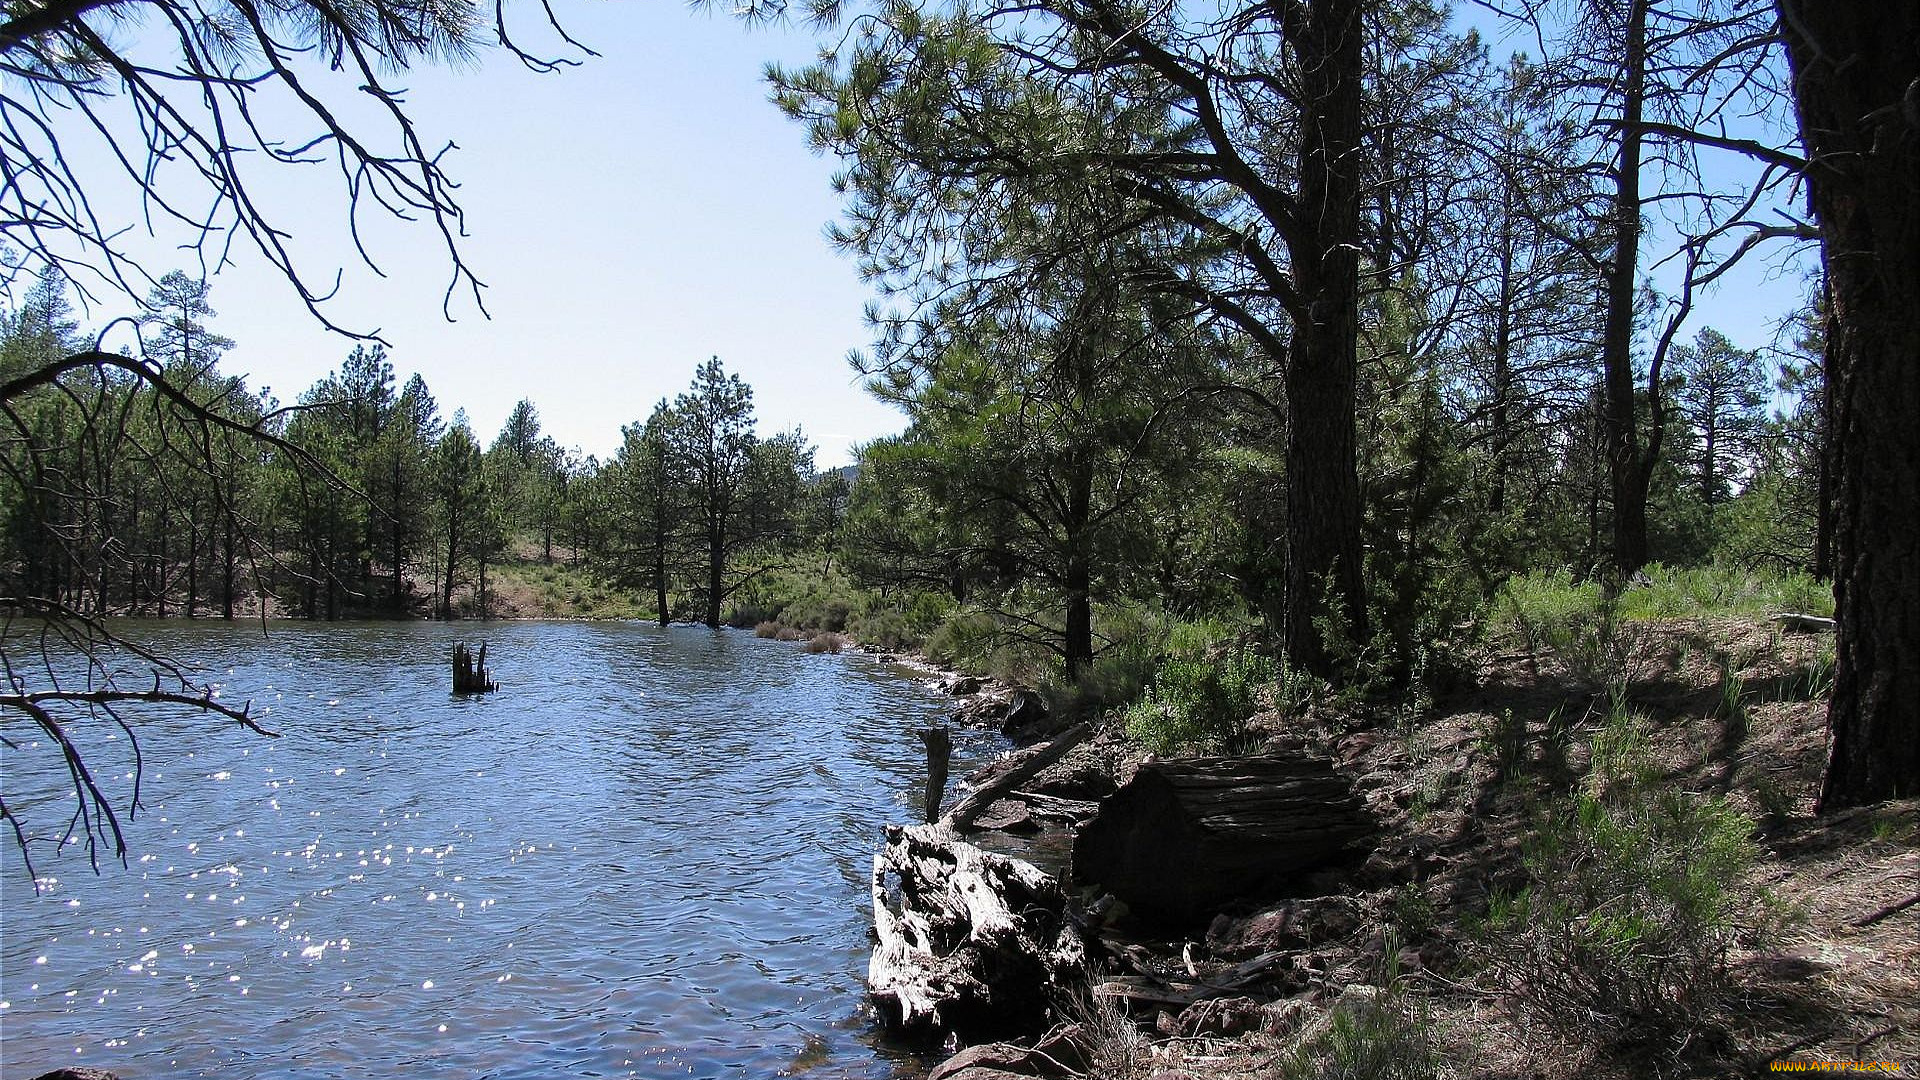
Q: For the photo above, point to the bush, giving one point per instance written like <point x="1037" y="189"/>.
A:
<point x="1628" y="916"/>
<point x="1200" y="702"/>
<point x="826" y="642"/>
<point x="887" y="629"/>
<point x="1374" y="1033"/>
<point x="1384" y="1040"/>
<point x="767" y="630"/>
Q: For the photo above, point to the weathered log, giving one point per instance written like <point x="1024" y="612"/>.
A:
<point x="968" y="942"/>
<point x="1794" y="622"/>
<point x="1184" y="838"/>
<point x="1013" y="772"/>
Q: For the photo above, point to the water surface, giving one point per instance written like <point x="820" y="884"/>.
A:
<point x="646" y="856"/>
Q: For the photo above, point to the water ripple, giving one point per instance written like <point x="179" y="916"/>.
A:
<point x="645" y="857"/>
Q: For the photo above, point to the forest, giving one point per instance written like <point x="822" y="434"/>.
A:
<point x="1303" y="368"/>
<point x="360" y="500"/>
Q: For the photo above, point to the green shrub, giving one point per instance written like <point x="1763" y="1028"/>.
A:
<point x="1628" y="916"/>
<point x="1374" y="1033"/>
<point x="963" y="642"/>
<point x="1505" y="742"/>
<point x="1201" y="702"/>
<point x="886" y="629"/>
<point x="1815" y="678"/>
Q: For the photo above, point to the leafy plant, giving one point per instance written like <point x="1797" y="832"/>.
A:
<point x="1201" y="703"/>
<point x="1625" y="924"/>
<point x="1382" y="1035"/>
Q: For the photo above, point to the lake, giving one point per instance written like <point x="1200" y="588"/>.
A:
<point x="647" y="856"/>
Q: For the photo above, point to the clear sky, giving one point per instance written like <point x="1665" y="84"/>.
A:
<point x="631" y="217"/>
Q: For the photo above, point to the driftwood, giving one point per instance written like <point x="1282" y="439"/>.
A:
<point x="969" y="943"/>
<point x="1184" y="838"/>
<point x="1795" y="623"/>
<point x="1015" y="771"/>
<point x="470" y="674"/>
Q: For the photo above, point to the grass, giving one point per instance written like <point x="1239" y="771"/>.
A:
<point x="1548" y="597"/>
<point x="559" y="590"/>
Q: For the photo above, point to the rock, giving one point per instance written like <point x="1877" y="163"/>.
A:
<point x="78" y="1074"/>
<point x="970" y="944"/>
<point x="1027" y="719"/>
<point x="1221" y="1016"/>
<point x="1089" y="782"/>
<point x="988" y="1061"/>
<point x="1184" y="838"/>
<point x="986" y="1072"/>
<point x="962" y="686"/>
<point x="1283" y="1018"/>
<point x="1008" y="816"/>
<point x="985" y="710"/>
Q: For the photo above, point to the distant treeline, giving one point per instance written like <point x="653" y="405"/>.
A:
<point x="192" y="494"/>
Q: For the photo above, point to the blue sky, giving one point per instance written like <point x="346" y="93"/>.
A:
<point x="631" y="217"/>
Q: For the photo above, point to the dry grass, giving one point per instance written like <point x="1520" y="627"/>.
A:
<point x="1721" y="710"/>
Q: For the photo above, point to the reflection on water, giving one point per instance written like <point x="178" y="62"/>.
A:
<point x="646" y="856"/>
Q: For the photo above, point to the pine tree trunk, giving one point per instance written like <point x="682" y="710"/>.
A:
<point x="1618" y="413"/>
<point x="660" y="582"/>
<point x="716" y="572"/>
<point x="193" y="560"/>
<point x="453" y="549"/>
<point x="1323" y="479"/>
<point x="1501" y="414"/>
<point x="1077" y="640"/>
<point x="161" y="566"/>
<point x="228" y="566"/>
<point x="1856" y="78"/>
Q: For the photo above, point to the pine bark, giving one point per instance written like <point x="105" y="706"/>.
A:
<point x="1323" y="472"/>
<point x="1629" y="468"/>
<point x="1856" y="79"/>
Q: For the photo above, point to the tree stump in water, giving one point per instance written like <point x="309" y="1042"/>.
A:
<point x="939" y="746"/>
<point x="1184" y="838"/>
<point x="470" y="674"/>
<point x="969" y="943"/>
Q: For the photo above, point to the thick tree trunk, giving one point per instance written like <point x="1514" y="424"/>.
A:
<point x="1184" y="838"/>
<point x="1856" y="77"/>
<point x="1627" y="480"/>
<point x="1323" y="474"/>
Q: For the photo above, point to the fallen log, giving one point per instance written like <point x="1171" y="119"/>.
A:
<point x="1184" y="838"/>
<point x="1016" y="770"/>
<point x="1794" y="622"/>
<point x="968" y="943"/>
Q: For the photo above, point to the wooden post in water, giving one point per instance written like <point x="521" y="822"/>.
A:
<point x="939" y="748"/>
<point x="470" y="675"/>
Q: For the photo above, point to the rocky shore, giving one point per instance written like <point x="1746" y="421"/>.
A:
<point x="1382" y="956"/>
